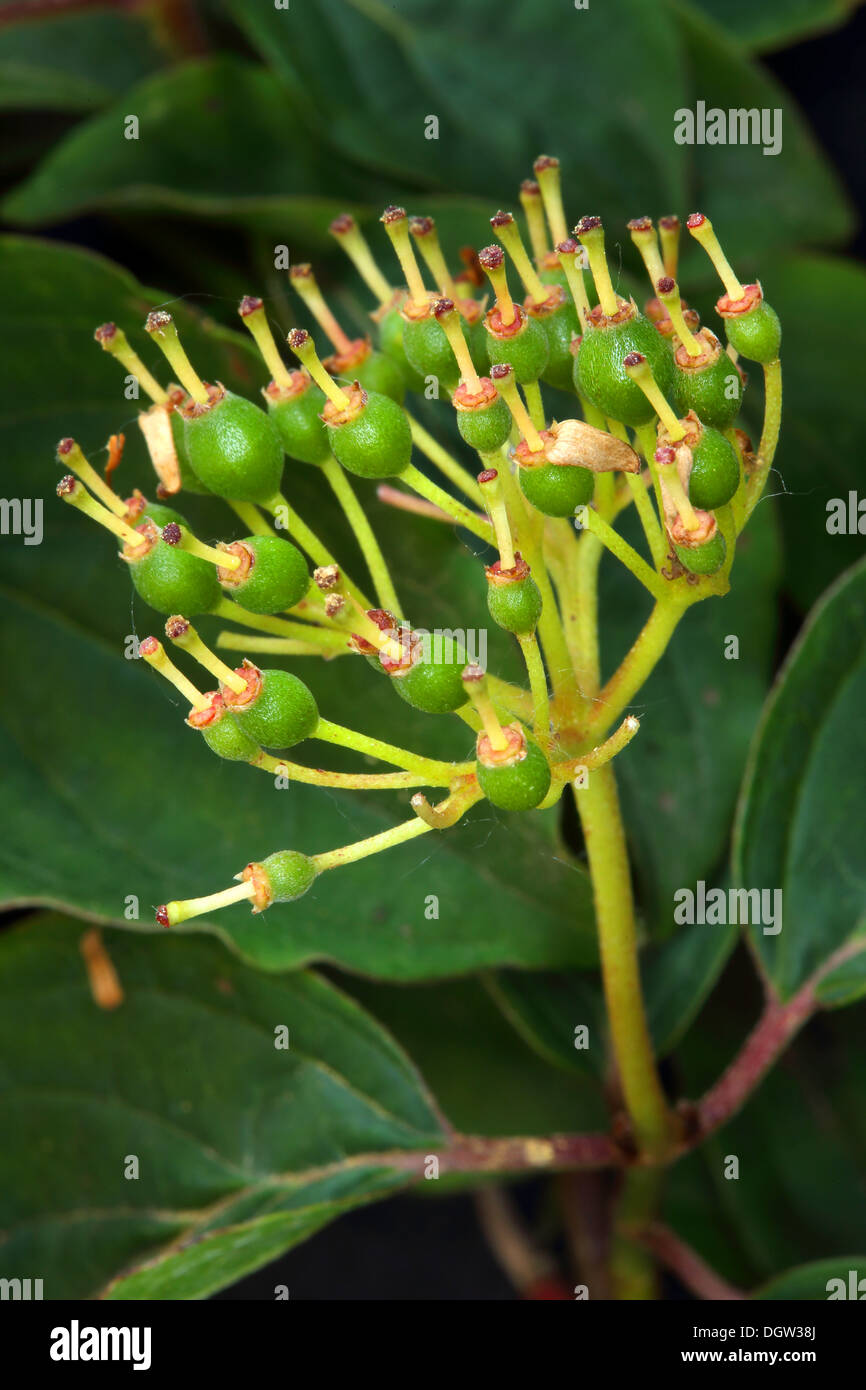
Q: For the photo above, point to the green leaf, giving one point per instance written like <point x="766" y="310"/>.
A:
<point x="485" y="1078"/>
<point x="117" y="799"/>
<point x="679" y="777"/>
<point x="197" y="124"/>
<point x="800" y="1143"/>
<point x="74" y="62"/>
<point x="775" y="23"/>
<point x="820" y="1280"/>
<point x="546" y="1007"/>
<point x="822" y="304"/>
<point x="757" y="201"/>
<point x="243" y="1147"/>
<point x="800" y="818"/>
<point x="379" y="73"/>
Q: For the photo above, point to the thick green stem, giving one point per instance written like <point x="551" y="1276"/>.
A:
<point x="460" y="514"/>
<point x="638" y="664"/>
<point x="598" y="805"/>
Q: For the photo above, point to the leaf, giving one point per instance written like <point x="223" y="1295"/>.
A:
<point x="821" y="301"/>
<point x="800" y="1144"/>
<point x="757" y="201"/>
<point x="546" y="1007"/>
<point x="498" y="98"/>
<point x="775" y="23"/>
<point x="74" y="62"/>
<point x="485" y="1078"/>
<point x="679" y="777"/>
<point x="801" y="812"/>
<point x="114" y="798"/>
<point x="197" y="124"/>
<point x="817" y="1280"/>
<point x="242" y="1150"/>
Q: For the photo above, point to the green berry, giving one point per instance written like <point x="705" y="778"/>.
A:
<point x="476" y="336"/>
<point x="173" y="581"/>
<point x="518" y="785"/>
<point x="515" y="605"/>
<point x="381" y="374"/>
<point x="486" y="428"/>
<point x="235" y="449"/>
<point x="189" y="480"/>
<point x="224" y="737"/>
<point x="280" y="712"/>
<point x="391" y="327"/>
<point x="560" y="327"/>
<point x="525" y="351"/>
<point x="703" y="559"/>
<point x="297" y="419"/>
<point x="715" y="474"/>
<point x="556" y="488"/>
<point x="274" y="575"/>
<point x="756" y="334"/>
<point x="160" y="515"/>
<point x="429" y="351"/>
<point x="600" y="376"/>
<point x="436" y="687"/>
<point x="714" y="392"/>
<point x="373" y="438"/>
<point x="289" y="875"/>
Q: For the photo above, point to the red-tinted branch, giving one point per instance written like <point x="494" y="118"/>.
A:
<point x="682" y="1261"/>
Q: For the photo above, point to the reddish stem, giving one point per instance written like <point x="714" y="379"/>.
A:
<point x="685" y="1263"/>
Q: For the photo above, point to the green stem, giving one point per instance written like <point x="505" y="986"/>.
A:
<point x="598" y="805"/>
<point x="648" y="519"/>
<point x="456" y="510"/>
<point x="588" y="668"/>
<point x="769" y="434"/>
<point x="637" y="665"/>
<point x="309" y="541"/>
<point x="624" y="552"/>
<point x="252" y="518"/>
<point x="538" y="686"/>
<point x="534" y="404"/>
<point x="648" y="440"/>
<point x="446" y="463"/>
<point x="370" y="548"/>
<point x="347" y="781"/>
<point x="320" y="637"/>
<point x="440" y="774"/>
<point x="634" y="1275"/>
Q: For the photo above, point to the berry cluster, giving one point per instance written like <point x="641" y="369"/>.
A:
<point x="692" y="477"/>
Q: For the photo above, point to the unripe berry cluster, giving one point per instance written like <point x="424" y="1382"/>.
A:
<point x="692" y="477"/>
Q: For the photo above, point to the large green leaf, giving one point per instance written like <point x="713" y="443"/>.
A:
<point x="243" y="1147"/>
<point x="485" y="1079"/>
<point x="379" y="72"/>
<point x="216" y="138"/>
<point x="822" y="304"/>
<point x="757" y="201"/>
<point x="75" y="62"/>
<point x="547" y="1007"/>
<point x="775" y="23"/>
<point x="87" y="831"/>
<point x="800" y="821"/>
<point x="817" y="1281"/>
<point x="800" y="1142"/>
